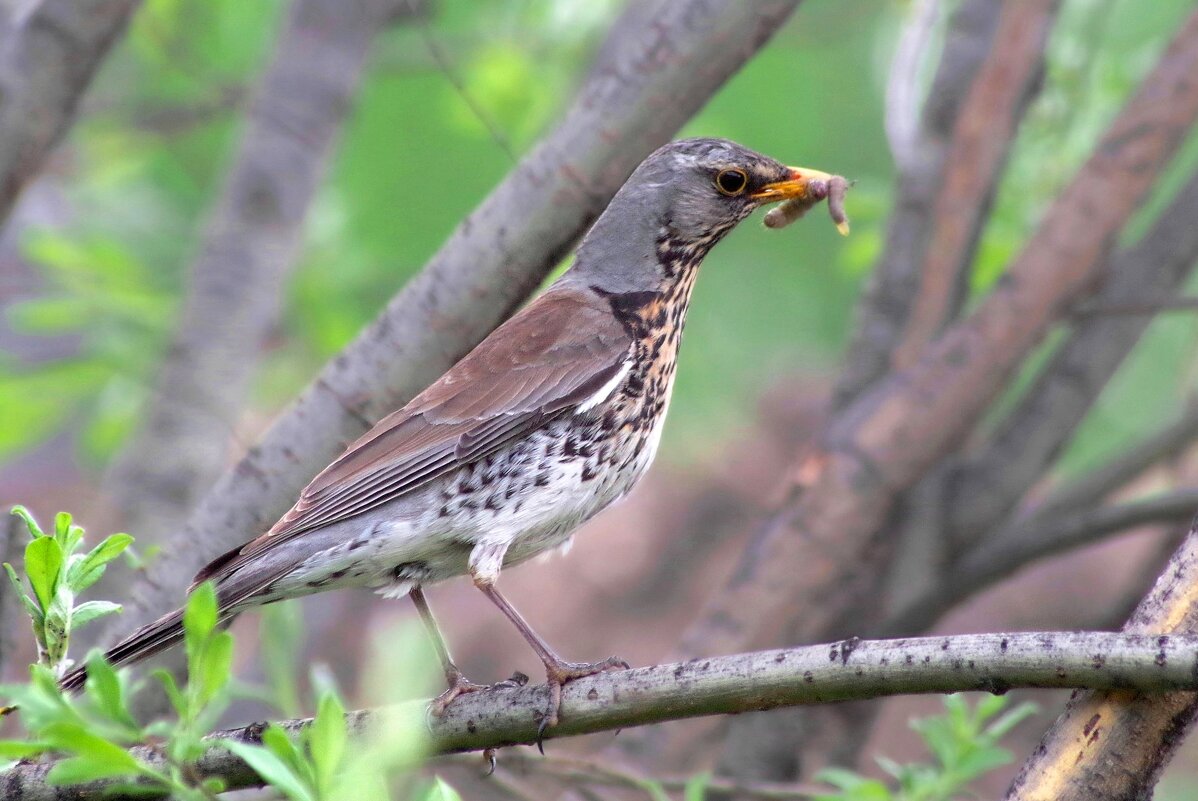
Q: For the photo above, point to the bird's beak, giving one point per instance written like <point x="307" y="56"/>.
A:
<point x="793" y="186"/>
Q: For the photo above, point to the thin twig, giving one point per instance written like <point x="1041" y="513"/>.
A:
<point x="1023" y="542"/>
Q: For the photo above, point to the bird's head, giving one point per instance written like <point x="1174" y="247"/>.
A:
<point x="691" y="192"/>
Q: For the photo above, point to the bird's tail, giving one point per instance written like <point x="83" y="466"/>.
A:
<point x="145" y="642"/>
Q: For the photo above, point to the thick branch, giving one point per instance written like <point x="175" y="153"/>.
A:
<point x="1113" y="745"/>
<point x="47" y="61"/>
<point x="818" y="674"/>
<point x="486" y="268"/>
<point x="250" y="244"/>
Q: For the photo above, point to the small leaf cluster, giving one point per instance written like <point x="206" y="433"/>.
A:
<point x="90" y="736"/>
<point x="964" y="741"/>
<point x="57" y="570"/>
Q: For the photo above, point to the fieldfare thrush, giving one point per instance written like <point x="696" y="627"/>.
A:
<point x="549" y="420"/>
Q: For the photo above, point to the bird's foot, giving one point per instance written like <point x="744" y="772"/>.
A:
<point x="558" y="674"/>
<point x="460" y="685"/>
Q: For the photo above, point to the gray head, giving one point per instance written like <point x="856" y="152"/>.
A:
<point x="685" y="197"/>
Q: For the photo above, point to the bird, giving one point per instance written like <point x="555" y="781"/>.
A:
<point x="549" y="420"/>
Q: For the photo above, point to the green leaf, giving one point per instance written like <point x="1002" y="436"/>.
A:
<point x="272" y="769"/>
<point x="1010" y="720"/>
<point x="89" y="570"/>
<point x="20" y="749"/>
<point x="215" y="666"/>
<point x="199" y="617"/>
<point x="440" y="790"/>
<point x="326" y="740"/>
<point x="43" y="562"/>
<point x="696" y="787"/>
<point x="105" y="687"/>
<point x="981" y="761"/>
<point x="78" y="741"/>
<point x="88" y="611"/>
<point x="67" y="534"/>
<point x="278" y="742"/>
<point x="32" y="609"/>
<point x="35" y="530"/>
<point x="81" y="769"/>
<point x="172" y="691"/>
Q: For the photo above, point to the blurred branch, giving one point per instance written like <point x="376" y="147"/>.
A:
<point x="890" y="294"/>
<point x="12" y="546"/>
<point x="993" y="480"/>
<point x="1091" y="488"/>
<point x="888" y="439"/>
<point x="1114" y="744"/>
<point x="252" y="241"/>
<point x="47" y="59"/>
<point x="902" y="86"/>
<point x="489" y="265"/>
<point x="982" y="137"/>
<point x="575" y="770"/>
<point x="1022" y="542"/>
<point x="817" y="674"/>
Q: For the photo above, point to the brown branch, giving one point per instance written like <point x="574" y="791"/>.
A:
<point x="816" y="674"/>
<point x="982" y="139"/>
<point x="1113" y="745"/>
<point x="47" y="60"/>
<point x="1090" y="489"/>
<point x="1031" y="435"/>
<point x="13" y="537"/>
<point x="1020" y="543"/>
<point x="890" y="294"/>
<point x="489" y="265"/>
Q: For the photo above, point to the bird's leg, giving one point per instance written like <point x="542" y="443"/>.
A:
<point x="557" y="670"/>
<point x="458" y="684"/>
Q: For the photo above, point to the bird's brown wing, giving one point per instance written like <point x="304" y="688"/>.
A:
<point x="552" y="357"/>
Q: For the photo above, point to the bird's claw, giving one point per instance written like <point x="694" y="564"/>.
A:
<point x="557" y="675"/>
<point x="457" y="686"/>
<point x="490" y="755"/>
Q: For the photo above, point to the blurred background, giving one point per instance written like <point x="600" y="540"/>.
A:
<point x="95" y="259"/>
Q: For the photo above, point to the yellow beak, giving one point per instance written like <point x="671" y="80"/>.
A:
<point x="793" y="187"/>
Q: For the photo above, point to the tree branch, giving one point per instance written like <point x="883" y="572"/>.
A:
<point x="887" y="300"/>
<point x="1022" y="542"/>
<point x="990" y="116"/>
<point x="1031" y="435"/>
<point x="817" y="674"/>
<point x="47" y="61"/>
<point x="487" y="267"/>
<point x="252" y="241"/>
<point x="1113" y="745"/>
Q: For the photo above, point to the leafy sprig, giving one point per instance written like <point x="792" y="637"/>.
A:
<point x="57" y="570"/>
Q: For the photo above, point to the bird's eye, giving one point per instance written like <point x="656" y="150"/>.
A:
<point x="731" y="182"/>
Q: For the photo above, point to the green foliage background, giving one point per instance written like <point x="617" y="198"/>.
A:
<point x="138" y="173"/>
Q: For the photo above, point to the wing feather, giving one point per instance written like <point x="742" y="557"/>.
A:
<point x="552" y="357"/>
